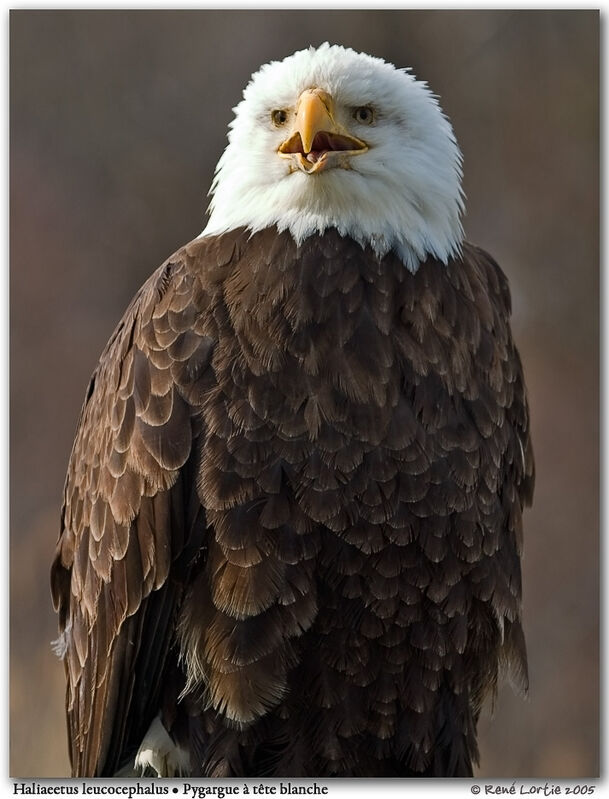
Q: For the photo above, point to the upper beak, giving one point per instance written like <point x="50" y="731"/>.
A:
<point x="313" y="116"/>
<point x="316" y="134"/>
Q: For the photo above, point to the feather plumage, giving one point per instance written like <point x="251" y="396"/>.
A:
<point x="292" y="517"/>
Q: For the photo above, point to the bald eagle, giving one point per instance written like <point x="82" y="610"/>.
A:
<point x="292" y="522"/>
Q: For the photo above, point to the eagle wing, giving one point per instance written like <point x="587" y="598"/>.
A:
<point x="132" y="524"/>
<point x="497" y="403"/>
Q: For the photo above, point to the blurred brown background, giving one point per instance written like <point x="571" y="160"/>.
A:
<point x="117" y="120"/>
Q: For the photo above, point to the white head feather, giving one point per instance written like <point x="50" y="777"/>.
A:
<point x="404" y="193"/>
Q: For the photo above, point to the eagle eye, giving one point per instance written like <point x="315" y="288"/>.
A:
<point x="364" y="115"/>
<point x="279" y="117"/>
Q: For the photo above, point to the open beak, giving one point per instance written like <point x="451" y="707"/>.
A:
<point x="317" y="141"/>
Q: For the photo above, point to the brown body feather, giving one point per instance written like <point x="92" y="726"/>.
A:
<point x="293" y="513"/>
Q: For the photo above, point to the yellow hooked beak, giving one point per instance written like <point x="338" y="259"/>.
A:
<point x="317" y="141"/>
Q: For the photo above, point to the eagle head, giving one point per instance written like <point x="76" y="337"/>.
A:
<point x="329" y="137"/>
